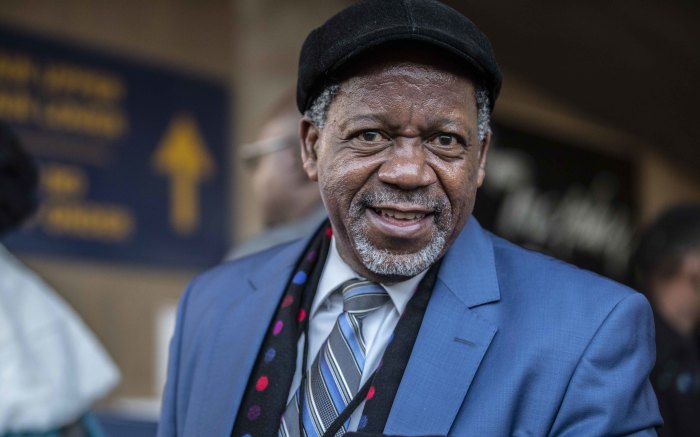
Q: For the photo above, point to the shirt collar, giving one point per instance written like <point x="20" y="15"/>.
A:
<point x="336" y="271"/>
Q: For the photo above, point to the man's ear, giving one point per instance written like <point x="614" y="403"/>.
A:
<point x="483" y="151"/>
<point x="309" y="136"/>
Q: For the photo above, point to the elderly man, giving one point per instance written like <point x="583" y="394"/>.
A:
<point x="400" y="315"/>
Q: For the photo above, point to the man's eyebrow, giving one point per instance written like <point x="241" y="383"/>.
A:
<point x="361" y="118"/>
<point x="454" y="125"/>
<point x="446" y="122"/>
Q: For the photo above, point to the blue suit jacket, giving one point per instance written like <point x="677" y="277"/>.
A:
<point x="512" y="343"/>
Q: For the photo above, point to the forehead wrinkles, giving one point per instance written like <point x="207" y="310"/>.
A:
<point x="411" y="76"/>
<point x="414" y="88"/>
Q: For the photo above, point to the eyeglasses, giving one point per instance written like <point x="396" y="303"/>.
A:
<point x="250" y="152"/>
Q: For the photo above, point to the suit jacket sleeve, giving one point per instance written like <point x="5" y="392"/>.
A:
<point x="168" y="425"/>
<point x="609" y="392"/>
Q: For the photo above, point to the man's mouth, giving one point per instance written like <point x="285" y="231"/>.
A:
<point x="408" y="223"/>
<point x="400" y="215"/>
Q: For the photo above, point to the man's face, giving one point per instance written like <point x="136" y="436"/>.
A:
<point x="398" y="164"/>
<point x="276" y="175"/>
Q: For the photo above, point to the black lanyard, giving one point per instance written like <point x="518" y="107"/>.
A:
<point x="347" y="411"/>
<point x="396" y="357"/>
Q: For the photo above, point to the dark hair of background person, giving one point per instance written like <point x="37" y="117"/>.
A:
<point x="664" y="244"/>
<point x="18" y="182"/>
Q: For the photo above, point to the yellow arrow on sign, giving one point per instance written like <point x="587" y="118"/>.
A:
<point x="183" y="157"/>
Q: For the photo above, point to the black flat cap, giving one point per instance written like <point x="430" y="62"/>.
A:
<point x="371" y="23"/>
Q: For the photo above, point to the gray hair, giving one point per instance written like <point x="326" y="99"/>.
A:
<point x="319" y="108"/>
<point x="483" y="111"/>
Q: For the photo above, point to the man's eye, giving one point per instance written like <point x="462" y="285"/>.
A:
<point x="371" y="136"/>
<point x="445" y="140"/>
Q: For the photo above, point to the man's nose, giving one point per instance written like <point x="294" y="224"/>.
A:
<point x="407" y="166"/>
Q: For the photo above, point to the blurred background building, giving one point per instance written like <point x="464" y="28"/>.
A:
<point x="135" y="111"/>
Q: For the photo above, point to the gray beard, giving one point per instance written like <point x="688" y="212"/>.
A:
<point x="382" y="261"/>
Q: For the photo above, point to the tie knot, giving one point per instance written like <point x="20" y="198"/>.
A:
<point x="361" y="296"/>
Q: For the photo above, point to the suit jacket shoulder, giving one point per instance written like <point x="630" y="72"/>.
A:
<point x="221" y="323"/>
<point x="531" y="281"/>
<point x="517" y="343"/>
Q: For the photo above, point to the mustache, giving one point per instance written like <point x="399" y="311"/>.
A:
<point x="422" y="199"/>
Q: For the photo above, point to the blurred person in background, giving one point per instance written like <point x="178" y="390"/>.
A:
<point x="667" y="268"/>
<point x="291" y="203"/>
<point x="52" y="368"/>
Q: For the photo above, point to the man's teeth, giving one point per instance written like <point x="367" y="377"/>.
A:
<point x="401" y="215"/>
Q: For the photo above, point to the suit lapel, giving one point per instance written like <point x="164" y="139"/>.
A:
<point x="238" y="339"/>
<point x="452" y="340"/>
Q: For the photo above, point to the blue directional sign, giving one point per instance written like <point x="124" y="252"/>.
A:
<point x="132" y="156"/>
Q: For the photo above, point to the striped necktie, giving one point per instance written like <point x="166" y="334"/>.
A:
<point x="334" y="377"/>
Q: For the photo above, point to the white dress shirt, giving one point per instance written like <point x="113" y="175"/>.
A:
<point x="377" y="326"/>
